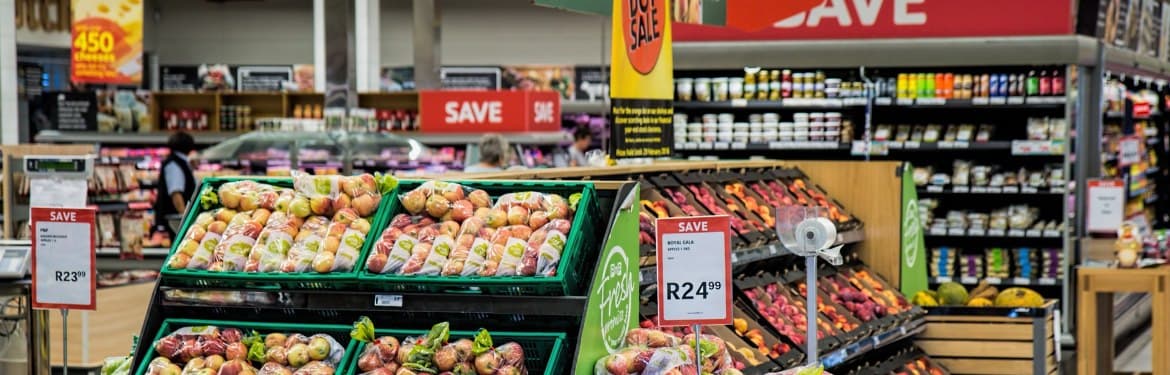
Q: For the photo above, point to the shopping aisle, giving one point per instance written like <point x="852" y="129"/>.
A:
<point x="1137" y="357"/>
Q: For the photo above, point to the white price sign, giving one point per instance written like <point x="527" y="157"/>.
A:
<point x="1129" y="151"/>
<point x="63" y="258"/>
<point x="694" y="270"/>
<point x="1106" y="205"/>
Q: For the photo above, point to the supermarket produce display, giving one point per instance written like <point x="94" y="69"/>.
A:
<point x="520" y="259"/>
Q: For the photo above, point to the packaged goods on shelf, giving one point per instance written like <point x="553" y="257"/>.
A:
<point x="186" y="119"/>
<point x="441" y="350"/>
<point x="651" y="351"/>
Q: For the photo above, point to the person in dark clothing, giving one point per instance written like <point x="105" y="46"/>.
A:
<point x="176" y="182"/>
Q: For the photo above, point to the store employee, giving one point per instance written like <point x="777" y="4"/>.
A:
<point x="176" y="183"/>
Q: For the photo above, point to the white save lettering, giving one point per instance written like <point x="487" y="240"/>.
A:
<point x="867" y="13"/>
<point x="62" y="216"/>
<point x="542" y="112"/>
<point x="474" y="112"/>
<point x="692" y="226"/>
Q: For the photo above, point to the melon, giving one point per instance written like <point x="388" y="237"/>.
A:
<point x="952" y="294"/>
<point x="1019" y="297"/>
<point x="979" y="302"/>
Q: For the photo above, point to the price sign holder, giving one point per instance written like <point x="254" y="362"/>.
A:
<point x="63" y="233"/>
<point x="807" y="232"/>
<point x="694" y="273"/>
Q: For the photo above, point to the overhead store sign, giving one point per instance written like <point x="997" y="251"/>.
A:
<point x="859" y="19"/>
<point x="706" y="12"/>
<point x="642" y="80"/>
<point x="107" y="42"/>
<point x="489" y="111"/>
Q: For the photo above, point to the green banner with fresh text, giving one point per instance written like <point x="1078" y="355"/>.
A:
<point x="913" y="249"/>
<point x="613" y="297"/>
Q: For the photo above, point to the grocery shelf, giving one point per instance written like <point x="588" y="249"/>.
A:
<point x="1011" y="281"/>
<point x="779" y="145"/>
<point x="146" y="252"/>
<point x="110" y="264"/>
<point x="788" y="103"/>
<point x="595" y="107"/>
<point x="527" y="138"/>
<point x="648" y="275"/>
<point x="976" y="190"/>
<point x="150" y="139"/>
<point x="1030" y="102"/>
<point x="993" y="233"/>
<point x="873" y="342"/>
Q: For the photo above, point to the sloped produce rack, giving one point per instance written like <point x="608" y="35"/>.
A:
<point x="584" y="308"/>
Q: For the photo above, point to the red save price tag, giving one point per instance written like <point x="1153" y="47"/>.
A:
<point x="694" y="270"/>
<point x="64" y="274"/>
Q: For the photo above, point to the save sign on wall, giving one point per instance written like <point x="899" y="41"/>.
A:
<point x="107" y="42"/>
<point x="641" y="80"/>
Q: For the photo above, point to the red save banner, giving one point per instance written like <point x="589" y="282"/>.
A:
<point x="456" y="111"/>
<point x="862" y="19"/>
<point x="64" y="271"/>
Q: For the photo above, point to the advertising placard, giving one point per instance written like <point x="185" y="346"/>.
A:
<point x="454" y="111"/>
<point x="64" y="275"/>
<point x="694" y="270"/>
<point x="1106" y="206"/>
<point x="612" y="307"/>
<point x="107" y="42"/>
<point x="641" y="80"/>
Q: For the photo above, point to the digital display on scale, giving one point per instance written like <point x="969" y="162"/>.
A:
<point x="54" y="165"/>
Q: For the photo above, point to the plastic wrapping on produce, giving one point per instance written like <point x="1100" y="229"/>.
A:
<point x="651" y="338"/>
<point x="803" y="370"/>
<point x="274" y="243"/>
<point x="440" y="199"/>
<point x="309" y="241"/>
<point x="464" y="240"/>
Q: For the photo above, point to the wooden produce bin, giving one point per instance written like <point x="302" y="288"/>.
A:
<point x="970" y="340"/>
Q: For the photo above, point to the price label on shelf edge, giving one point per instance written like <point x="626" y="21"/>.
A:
<point x="694" y="270"/>
<point x="64" y="273"/>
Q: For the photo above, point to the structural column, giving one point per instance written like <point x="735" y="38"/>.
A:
<point x="367" y="29"/>
<point x="427" y="38"/>
<point x="9" y="117"/>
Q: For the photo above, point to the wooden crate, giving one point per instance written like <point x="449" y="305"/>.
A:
<point x="993" y="344"/>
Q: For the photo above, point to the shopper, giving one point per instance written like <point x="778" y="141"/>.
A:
<point x="493" y="154"/>
<point x="582" y="139"/>
<point x="176" y="182"/>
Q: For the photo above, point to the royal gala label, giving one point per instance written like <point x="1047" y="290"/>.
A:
<point x="107" y="42"/>
<point x="860" y="19"/>
<point x="644" y="26"/>
<point x="489" y="111"/>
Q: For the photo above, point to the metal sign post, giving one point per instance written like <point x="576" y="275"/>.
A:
<point x="806" y="232"/>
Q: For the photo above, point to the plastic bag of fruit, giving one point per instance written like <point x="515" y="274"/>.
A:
<point x="302" y="354"/>
<point x="189" y="245"/>
<point x="188" y="343"/>
<point x="247" y="195"/>
<point x="232" y="252"/>
<point x="348" y="243"/>
<point x="307" y="243"/>
<point x="445" y="200"/>
<point x="805" y="370"/>
<point x="504" y="359"/>
<point x="419" y="250"/>
<point x="274" y="242"/>
<point x="545" y="247"/>
<point x="464" y="240"/>
<point x="506" y="248"/>
<point x="533" y="209"/>
<point x="401" y="227"/>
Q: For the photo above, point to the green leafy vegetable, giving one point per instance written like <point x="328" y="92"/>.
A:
<point x="208" y="199"/>
<point x="707" y="349"/>
<point x="363" y="330"/>
<point x="483" y="342"/>
<point x="386" y="182"/>
<point x="573" y="199"/>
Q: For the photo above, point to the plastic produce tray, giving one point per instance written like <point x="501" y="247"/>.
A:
<point x="544" y="352"/>
<point x="338" y="332"/>
<point x="268" y="280"/>
<point x="581" y="246"/>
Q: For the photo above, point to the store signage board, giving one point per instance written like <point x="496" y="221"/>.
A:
<point x="72" y="111"/>
<point x="64" y="273"/>
<point x="707" y="12"/>
<point x="106" y="42"/>
<point x="1129" y="151"/>
<point x="263" y="78"/>
<point x="913" y="265"/>
<point x="871" y="19"/>
<point x="694" y="270"/>
<point x="612" y="307"/>
<point x="470" y="78"/>
<point x="467" y="111"/>
<point x="1106" y="206"/>
<point x="641" y="80"/>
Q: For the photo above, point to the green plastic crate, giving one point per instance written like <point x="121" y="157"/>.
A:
<point x="338" y="332"/>
<point x="581" y="246"/>
<point x="270" y="280"/>
<point x="544" y="352"/>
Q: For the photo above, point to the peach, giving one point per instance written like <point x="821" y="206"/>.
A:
<point x="497" y="218"/>
<point x="480" y="199"/>
<point x="453" y="192"/>
<point x="320" y="205"/>
<point x="482" y="212"/>
<point x="461" y="210"/>
<point x="438" y="206"/>
<point x="261" y="215"/>
<point x="517" y="215"/>
<point x="179" y="261"/>
<point x="217" y="226"/>
<point x="448" y="228"/>
<point x="342" y="201"/>
<point x="538" y="219"/>
<point x="376" y="262"/>
<point x="230" y="198"/>
<point x="415" y="201"/>
<point x="331" y="245"/>
<point x="360" y="225"/>
<point x="323" y="262"/>
<point x="225" y="214"/>
<point x="365" y="205"/>
<point x="345" y="216"/>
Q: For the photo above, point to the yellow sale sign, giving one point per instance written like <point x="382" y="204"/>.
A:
<point x="107" y="42"/>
